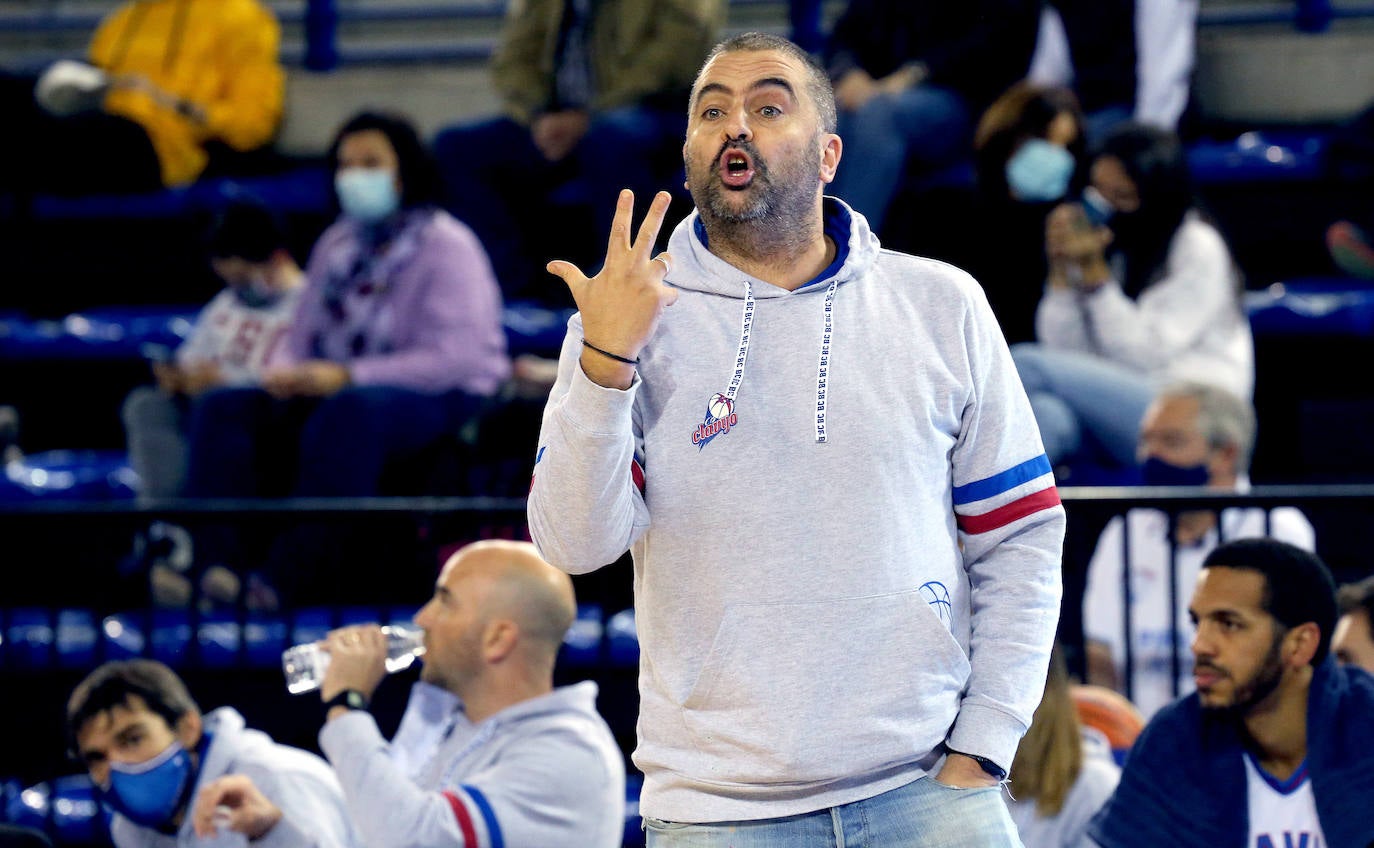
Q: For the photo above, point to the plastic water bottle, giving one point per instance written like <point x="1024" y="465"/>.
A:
<point x="305" y="664"/>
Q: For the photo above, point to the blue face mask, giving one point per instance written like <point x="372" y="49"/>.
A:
<point x="1039" y="171"/>
<point x="367" y="194"/>
<point x="1156" y="472"/>
<point x="151" y="793"/>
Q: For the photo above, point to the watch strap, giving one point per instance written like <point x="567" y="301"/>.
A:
<point x="987" y="765"/>
<point x="351" y="699"/>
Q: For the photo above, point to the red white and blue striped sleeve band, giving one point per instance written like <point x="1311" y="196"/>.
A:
<point x="476" y="819"/>
<point x="996" y="501"/>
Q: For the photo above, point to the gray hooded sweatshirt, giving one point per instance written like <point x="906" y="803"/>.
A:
<point x="846" y="536"/>
<point x="545" y="772"/>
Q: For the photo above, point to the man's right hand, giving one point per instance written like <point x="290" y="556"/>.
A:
<point x="233" y="801"/>
<point x="622" y="305"/>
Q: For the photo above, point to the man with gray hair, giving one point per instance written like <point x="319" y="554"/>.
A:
<point x="1193" y="434"/>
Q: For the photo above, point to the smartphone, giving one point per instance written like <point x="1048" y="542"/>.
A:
<point x="1096" y="208"/>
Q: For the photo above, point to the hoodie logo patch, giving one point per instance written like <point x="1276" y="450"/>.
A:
<point x="720" y="417"/>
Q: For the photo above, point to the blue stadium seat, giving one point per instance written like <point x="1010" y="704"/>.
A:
<point x="582" y="644"/>
<point x="29" y="807"/>
<point x="170" y="637"/>
<point x="634" y="830"/>
<point x="124" y="635"/>
<point x="76" y="639"/>
<point x="311" y="625"/>
<point x="218" y="639"/>
<point x="264" y="638"/>
<point x="1325" y="306"/>
<point x="77" y="817"/>
<point x="28" y="638"/>
<point x="622" y="639"/>
<point x="85" y="475"/>
<point x="304" y="189"/>
<point x="1259" y="157"/>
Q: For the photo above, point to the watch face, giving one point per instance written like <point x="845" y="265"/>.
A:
<point x="355" y="700"/>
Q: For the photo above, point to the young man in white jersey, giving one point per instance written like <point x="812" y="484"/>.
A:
<point x="1272" y="750"/>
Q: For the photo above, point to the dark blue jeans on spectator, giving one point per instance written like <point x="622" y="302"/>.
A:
<point x="517" y="201"/>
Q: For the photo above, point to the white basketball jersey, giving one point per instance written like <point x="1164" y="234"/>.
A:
<point x="1283" y="814"/>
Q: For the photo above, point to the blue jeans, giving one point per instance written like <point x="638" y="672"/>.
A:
<point x="922" y="814"/>
<point x="1078" y="397"/>
<point x="927" y="126"/>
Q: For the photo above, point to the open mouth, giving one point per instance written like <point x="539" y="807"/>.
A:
<point x="736" y="168"/>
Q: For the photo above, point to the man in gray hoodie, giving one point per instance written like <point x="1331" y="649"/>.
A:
<point x="492" y="755"/>
<point x="846" y="535"/>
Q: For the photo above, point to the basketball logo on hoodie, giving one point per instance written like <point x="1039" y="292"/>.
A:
<point x="720" y="417"/>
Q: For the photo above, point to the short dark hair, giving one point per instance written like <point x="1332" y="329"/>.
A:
<point x="1298" y="586"/>
<point x="420" y="181"/>
<point x="112" y="684"/>
<point x="818" y="85"/>
<point x="245" y="229"/>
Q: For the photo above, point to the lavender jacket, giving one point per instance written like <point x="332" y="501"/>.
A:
<point x="435" y="323"/>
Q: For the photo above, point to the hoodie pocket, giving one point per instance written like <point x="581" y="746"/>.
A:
<point x="813" y="692"/>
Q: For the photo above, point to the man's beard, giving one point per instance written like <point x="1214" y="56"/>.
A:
<point x="786" y="196"/>
<point x="1260" y="685"/>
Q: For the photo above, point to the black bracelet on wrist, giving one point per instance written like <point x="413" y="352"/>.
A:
<point x="608" y="354"/>
<point x="988" y="766"/>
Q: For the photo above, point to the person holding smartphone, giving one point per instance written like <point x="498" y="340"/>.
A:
<point x="1141" y="291"/>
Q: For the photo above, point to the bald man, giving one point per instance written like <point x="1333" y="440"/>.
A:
<point x="493" y="755"/>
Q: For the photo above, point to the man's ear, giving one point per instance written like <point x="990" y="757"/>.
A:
<point x="1300" y="643"/>
<point x="188" y="729"/>
<point x="830" y="156"/>
<point x="499" y="639"/>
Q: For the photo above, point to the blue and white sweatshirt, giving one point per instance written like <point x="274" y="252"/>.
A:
<point x="846" y="535"/>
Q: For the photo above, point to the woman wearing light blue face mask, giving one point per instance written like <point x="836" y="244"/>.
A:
<point x="150" y="752"/>
<point x="1029" y="155"/>
<point x="397" y="338"/>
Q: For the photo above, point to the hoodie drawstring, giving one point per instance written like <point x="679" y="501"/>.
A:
<point x="824" y="367"/>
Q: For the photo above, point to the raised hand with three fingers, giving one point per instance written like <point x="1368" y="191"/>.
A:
<point x="621" y="306"/>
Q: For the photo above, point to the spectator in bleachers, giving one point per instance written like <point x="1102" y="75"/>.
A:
<point x="1149" y="296"/>
<point x="397" y="339"/>
<point x="504" y="757"/>
<point x="1089" y="46"/>
<point x="1351" y="249"/>
<point x="1192" y="435"/>
<point x="1353" y="641"/>
<point x="1063" y="771"/>
<point x="592" y="90"/>
<point x="1030" y="151"/>
<point x="1273" y="748"/>
<point x="232" y="339"/>
<point x="176" y="85"/>
<point x="911" y="78"/>
<point x="150" y="752"/>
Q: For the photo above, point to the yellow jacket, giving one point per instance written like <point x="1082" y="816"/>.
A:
<point x="641" y="50"/>
<point x="219" y="56"/>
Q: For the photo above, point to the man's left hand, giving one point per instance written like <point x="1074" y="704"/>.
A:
<point x="964" y="772"/>
<point x="357" y="660"/>
<point x="312" y="378"/>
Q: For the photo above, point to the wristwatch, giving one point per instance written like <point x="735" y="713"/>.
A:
<point x="987" y="765"/>
<point x="349" y="699"/>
